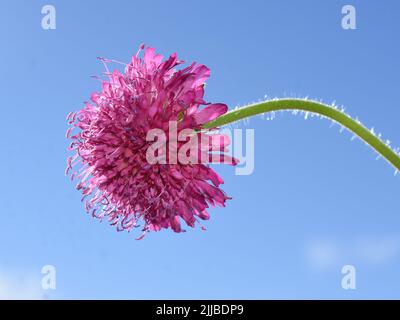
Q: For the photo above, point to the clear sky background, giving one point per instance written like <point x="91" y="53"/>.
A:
<point x="316" y="201"/>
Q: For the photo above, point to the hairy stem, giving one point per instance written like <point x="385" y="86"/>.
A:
<point x="313" y="107"/>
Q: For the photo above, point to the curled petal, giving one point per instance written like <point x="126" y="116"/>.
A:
<point x="210" y="112"/>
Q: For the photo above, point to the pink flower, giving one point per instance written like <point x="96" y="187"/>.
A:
<point x="115" y="177"/>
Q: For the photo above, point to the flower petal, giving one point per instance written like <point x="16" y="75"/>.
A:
<point x="210" y="113"/>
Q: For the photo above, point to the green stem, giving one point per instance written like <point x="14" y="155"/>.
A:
<point x="313" y="107"/>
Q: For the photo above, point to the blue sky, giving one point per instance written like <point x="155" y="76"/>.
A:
<point x="316" y="201"/>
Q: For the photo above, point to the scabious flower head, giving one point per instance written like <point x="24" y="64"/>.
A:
<point x="111" y="147"/>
